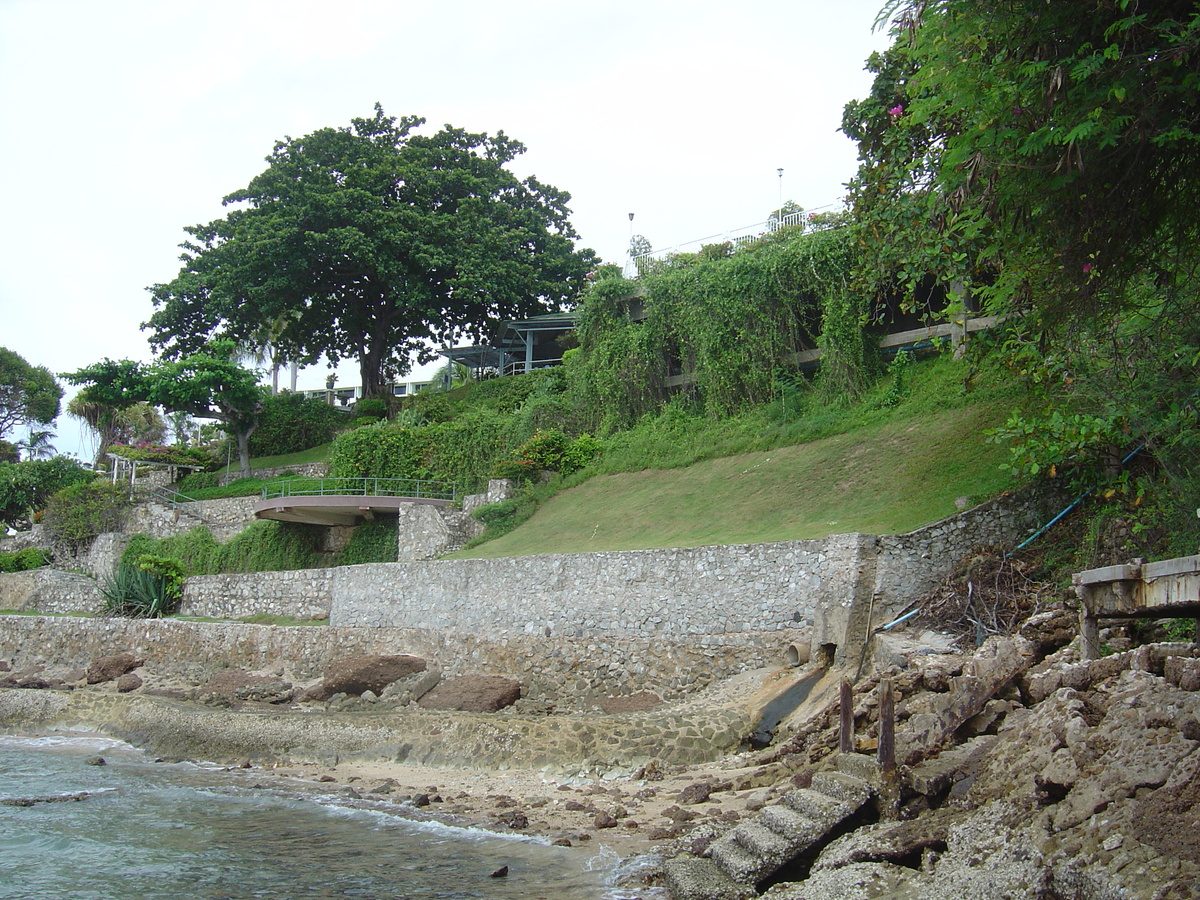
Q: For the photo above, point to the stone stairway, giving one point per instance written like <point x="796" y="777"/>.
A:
<point x="759" y="847"/>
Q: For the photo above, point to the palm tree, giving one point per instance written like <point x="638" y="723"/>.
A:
<point x="37" y="445"/>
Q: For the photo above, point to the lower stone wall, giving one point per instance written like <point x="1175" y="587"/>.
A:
<point x="303" y="594"/>
<point x="49" y="591"/>
<point x="570" y="672"/>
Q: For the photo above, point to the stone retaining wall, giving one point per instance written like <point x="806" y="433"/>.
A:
<point x="302" y="593"/>
<point x="694" y="591"/>
<point x="845" y="584"/>
<point x="307" y="470"/>
<point x="49" y="591"/>
<point x="571" y="672"/>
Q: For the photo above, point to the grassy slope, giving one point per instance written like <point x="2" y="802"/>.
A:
<point x="314" y="454"/>
<point x="887" y="477"/>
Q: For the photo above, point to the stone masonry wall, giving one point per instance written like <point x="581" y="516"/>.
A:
<point x="568" y="671"/>
<point x="49" y="591"/>
<point x="307" y="470"/>
<point x="303" y="593"/>
<point x="844" y="584"/>
<point x="700" y="590"/>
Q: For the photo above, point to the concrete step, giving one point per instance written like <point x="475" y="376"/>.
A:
<point x="816" y="805"/>
<point x="691" y="878"/>
<point x="860" y="765"/>
<point x="762" y="840"/>
<point x="740" y="863"/>
<point x="847" y="788"/>
<point x="793" y="825"/>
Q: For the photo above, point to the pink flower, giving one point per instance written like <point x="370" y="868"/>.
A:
<point x="896" y="111"/>
<point x="1087" y="267"/>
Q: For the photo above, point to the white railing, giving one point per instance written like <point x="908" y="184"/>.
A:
<point x="811" y="220"/>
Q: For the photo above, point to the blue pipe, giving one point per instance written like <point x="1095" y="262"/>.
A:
<point x="1037" y="534"/>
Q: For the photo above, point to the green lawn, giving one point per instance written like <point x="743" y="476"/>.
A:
<point x="884" y="478"/>
<point x="311" y="455"/>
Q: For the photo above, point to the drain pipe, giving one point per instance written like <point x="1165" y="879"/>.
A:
<point x="1037" y="534"/>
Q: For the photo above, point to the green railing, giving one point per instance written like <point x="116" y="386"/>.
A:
<point x="360" y="487"/>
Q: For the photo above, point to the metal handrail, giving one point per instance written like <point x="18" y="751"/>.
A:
<point x="361" y="487"/>
<point x="174" y="498"/>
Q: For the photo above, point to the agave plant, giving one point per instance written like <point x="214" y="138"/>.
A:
<point x="148" y="590"/>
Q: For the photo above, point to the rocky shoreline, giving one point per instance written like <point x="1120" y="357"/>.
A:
<point x="1024" y="771"/>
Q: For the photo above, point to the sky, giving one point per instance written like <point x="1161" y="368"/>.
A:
<point x="126" y="120"/>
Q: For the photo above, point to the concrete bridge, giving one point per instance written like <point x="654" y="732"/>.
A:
<point x="1170" y="587"/>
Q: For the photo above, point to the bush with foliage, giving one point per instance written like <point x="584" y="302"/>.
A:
<point x="149" y="587"/>
<point x="371" y="408"/>
<point x="553" y="451"/>
<point x="198" y="481"/>
<point x="26" y="486"/>
<point x="371" y="542"/>
<point x="380" y="451"/>
<point x="156" y="453"/>
<point x="291" y="422"/>
<point x="77" y="514"/>
<point x="262" y="547"/>
<point x="24" y="560"/>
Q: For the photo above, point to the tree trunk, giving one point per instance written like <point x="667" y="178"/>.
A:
<point x="243" y="445"/>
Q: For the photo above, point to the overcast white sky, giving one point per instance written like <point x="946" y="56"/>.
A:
<point x="125" y="120"/>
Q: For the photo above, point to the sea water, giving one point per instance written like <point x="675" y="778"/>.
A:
<point x="175" y="831"/>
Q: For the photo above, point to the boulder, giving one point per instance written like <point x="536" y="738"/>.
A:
<point x="473" y="693"/>
<point x="355" y="675"/>
<point x="128" y="682"/>
<point x="107" y="668"/>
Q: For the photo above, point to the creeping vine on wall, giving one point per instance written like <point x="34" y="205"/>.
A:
<point x="729" y="319"/>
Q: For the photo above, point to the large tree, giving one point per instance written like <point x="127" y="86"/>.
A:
<point x="207" y="384"/>
<point x="373" y="242"/>
<point x="28" y="394"/>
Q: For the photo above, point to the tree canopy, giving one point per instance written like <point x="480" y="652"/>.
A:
<point x="27" y="393"/>
<point x="1046" y="155"/>
<point x="372" y="242"/>
<point x="1044" y="158"/>
<point x="207" y="384"/>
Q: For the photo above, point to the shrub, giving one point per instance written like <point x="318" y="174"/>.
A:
<point x="371" y="542"/>
<point x="31" y="558"/>
<point x="380" y="451"/>
<point x="372" y="407"/>
<point x="23" y="560"/>
<point x="25" y="487"/>
<point x="77" y="514"/>
<point x="290" y="423"/>
<point x="553" y="451"/>
<point x="198" y="481"/>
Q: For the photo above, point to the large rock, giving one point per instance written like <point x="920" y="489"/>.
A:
<point x="355" y="675"/>
<point x="106" y="668"/>
<point x="473" y="693"/>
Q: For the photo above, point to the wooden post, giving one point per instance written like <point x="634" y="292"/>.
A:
<point x="888" y="798"/>
<point x="846" y="709"/>
<point x="886" y="751"/>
